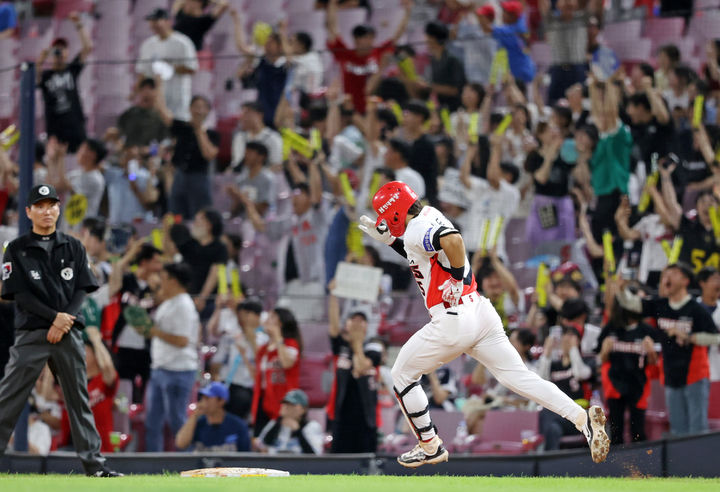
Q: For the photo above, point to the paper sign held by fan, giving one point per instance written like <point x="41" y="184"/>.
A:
<point x="353" y="281"/>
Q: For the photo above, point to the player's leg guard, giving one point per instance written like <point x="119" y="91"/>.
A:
<point x="416" y="409"/>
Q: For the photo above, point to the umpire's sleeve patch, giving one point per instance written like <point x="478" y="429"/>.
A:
<point x="6" y="270"/>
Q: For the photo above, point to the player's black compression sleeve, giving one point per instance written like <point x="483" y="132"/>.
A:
<point x="399" y="246"/>
<point x="76" y="302"/>
<point x="441" y="232"/>
<point x="31" y="304"/>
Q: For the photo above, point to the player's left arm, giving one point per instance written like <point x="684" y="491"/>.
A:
<point x="451" y="242"/>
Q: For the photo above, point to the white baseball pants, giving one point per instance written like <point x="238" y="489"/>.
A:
<point x="475" y="329"/>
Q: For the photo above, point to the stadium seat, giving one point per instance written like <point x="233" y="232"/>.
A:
<point x="315" y="337"/>
<point x="662" y="30"/>
<point x="302" y="7"/>
<point x="714" y="406"/>
<point x="621" y="33"/>
<point x="64" y="8"/>
<point x="704" y="26"/>
<point x="656" y="417"/>
<point x="313" y="370"/>
<point x="637" y="50"/>
<point x="113" y="9"/>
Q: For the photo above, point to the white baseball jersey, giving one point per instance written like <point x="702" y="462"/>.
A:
<point x="428" y="263"/>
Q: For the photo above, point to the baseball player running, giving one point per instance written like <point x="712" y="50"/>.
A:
<point x="461" y="321"/>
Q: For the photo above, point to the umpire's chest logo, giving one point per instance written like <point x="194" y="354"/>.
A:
<point x="35" y="275"/>
<point x="67" y="273"/>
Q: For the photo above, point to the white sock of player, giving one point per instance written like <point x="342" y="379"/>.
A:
<point x="415" y="406"/>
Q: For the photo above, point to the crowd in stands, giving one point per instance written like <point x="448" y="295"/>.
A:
<point x="585" y="182"/>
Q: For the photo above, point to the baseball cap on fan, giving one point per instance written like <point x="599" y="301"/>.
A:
<point x="42" y="192"/>
<point x="158" y="14"/>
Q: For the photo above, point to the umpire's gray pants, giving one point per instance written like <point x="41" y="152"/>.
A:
<point x="67" y="361"/>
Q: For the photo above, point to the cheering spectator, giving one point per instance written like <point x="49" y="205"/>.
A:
<point x="88" y="180"/>
<point x="134" y="288"/>
<point x="709" y="281"/>
<point x="650" y="123"/>
<point x="195" y="148"/>
<point x="500" y="198"/>
<point x="308" y="71"/>
<point x="498" y="284"/>
<point x="686" y="329"/>
<point x="668" y="57"/>
<point x="566" y="33"/>
<point x="131" y="188"/>
<point x="699" y="247"/>
<point x="608" y="156"/>
<point x="353" y="399"/>
<point x="203" y="250"/>
<point x="396" y="158"/>
<point x="102" y="385"/>
<point x="253" y="129"/>
<point x="510" y="36"/>
<point x="254" y="192"/>
<point x="268" y="74"/>
<point x="210" y="428"/>
<point x="447" y="74"/>
<point x="172" y="56"/>
<point x="92" y="235"/>
<point x="627" y="350"/>
<point x="64" y="116"/>
<point x="292" y="432"/>
<point x="141" y="124"/>
<point x="361" y="62"/>
<point x="175" y="335"/>
<point x="562" y="364"/>
<point x="277" y="368"/>
<point x="552" y="214"/>
<point x="422" y="150"/>
<point x="192" y="20"/>
<point x="308" y="225"/>
<point x="234" y="362"/>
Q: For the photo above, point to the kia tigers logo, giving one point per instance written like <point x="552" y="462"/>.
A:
<point x="385" y="206"/>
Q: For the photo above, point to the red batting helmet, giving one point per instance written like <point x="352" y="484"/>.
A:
<point x="392" y="202"/>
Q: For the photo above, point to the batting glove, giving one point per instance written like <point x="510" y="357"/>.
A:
<point x="452" y="291"/>
<point x="381" y="233"/>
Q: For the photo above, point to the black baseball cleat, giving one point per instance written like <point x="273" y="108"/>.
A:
<point x="105" y="473"/>
<point x="425" y="453"/>
<point x="594" y="431"/>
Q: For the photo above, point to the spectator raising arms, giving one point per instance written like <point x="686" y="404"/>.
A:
<point x="203" y="250"/>
<point x="353" y="399"/>
<point x="141" y="124"/>
<point x="686" y="329"/>
<point x="195" y="148"/>
<point x="64" y="116"/>
<point x="192" y="20"/>
<point x="362" y="61"/>
<point x="168" y="47"/>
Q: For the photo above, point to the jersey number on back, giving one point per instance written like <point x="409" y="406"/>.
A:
<point x="418" y="276"/>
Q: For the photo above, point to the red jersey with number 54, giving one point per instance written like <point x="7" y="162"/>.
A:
<point x="428" y="263"/>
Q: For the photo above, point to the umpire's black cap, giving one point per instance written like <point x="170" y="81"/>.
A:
<point x="42" y="192"/>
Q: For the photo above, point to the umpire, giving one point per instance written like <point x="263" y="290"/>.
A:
<point x="46" y="273"/>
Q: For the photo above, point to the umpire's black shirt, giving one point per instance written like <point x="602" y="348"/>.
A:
<point x="53" y="276"/>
